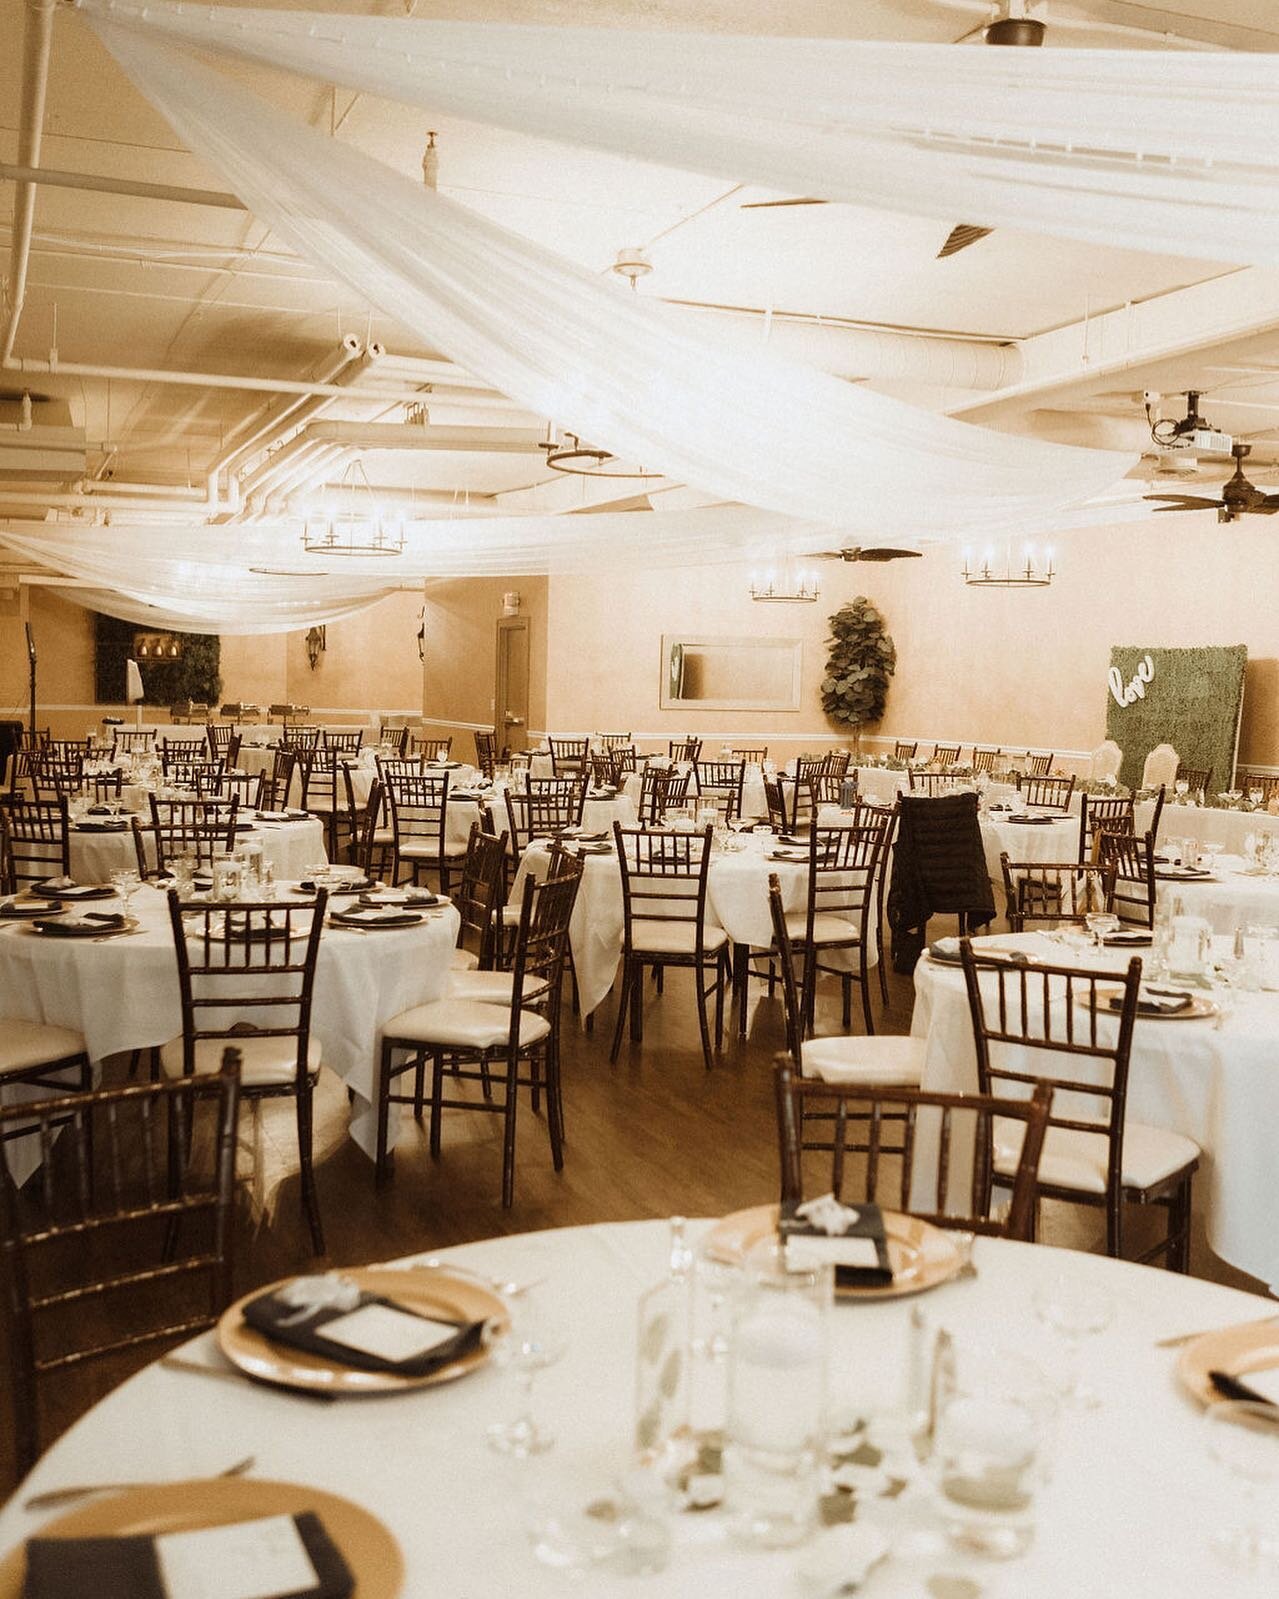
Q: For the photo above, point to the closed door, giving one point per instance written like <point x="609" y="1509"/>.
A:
<point x="512" y="682"/>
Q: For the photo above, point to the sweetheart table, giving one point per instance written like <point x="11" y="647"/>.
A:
<point x="1128" y="1511"/>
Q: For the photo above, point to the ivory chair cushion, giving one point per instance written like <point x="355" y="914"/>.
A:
<point x="827" y="929"/>
<point x="463" y="1024"/>
<point x="462" y="960"/>
<point x="884" y="1059"/>
<point x="653" y="936"/>
<point x="428" y="852"/>
<point x="27" y="1044"/>
<point x="265" y="1061"/>
<point x="1078" y="1160"/>
<point x="489" y="988"/>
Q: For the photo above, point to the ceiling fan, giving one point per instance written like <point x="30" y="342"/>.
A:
<point x="857" y="553"/>
<point x="1238" y="496"/>
<point x="1009" y="30"/>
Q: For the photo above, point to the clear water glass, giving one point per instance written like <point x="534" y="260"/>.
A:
<point x="1101" y="924"/>
<point x="1243" y="1438"/>
<point x="526" y="1341"/>
<point x="126" y="882"/>
<point x="1255" y="797"/>
<point x="1181" y="788"/>
<point x="1075" y="1309"/>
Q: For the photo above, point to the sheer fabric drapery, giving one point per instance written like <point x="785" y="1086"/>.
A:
<point x="626" y="373"/>
<point x="1152" y="150"/>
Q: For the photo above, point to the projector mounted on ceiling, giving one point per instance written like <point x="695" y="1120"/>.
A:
<point x="1191" y="433"/>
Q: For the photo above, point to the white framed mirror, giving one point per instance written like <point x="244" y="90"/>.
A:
<point x="722" y="673"/>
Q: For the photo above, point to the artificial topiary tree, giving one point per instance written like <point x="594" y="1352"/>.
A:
<point x="862" y="659"/>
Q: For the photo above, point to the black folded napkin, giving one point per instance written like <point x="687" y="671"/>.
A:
<point x="869" y="1224"/>
<point x="1162" y="1003"/>
<point x="355" y="886"/>
<point x="72" y="1568"/>
<point x="1031" y="821"/>
<point x="22" y="909"/>
<point x="99" y="810"/>
<point x="102" y="827"/>
<point x="1128" y="940"/>
<point x="411" y="900"/>
<point x="64" y="888"/>
<point x="789" y="838"/>
<point x="95" y="922"/>
<point x="274" y="1320"/>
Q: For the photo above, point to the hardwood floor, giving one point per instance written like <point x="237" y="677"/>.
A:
<point x="655" y="1135"/>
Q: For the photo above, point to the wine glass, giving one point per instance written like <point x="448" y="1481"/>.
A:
<point x="1243" y="1436"/>
<point x="1181" y="787"/>
<point x="529" y="1338"/>
<point x="1255" y="796"/>
<point x="1101" y="924"/>
<point x="1075" y="1309"/>
<point x="126" y="882"/>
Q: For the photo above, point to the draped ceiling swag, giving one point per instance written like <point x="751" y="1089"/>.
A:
<point x="1173" y="152"/>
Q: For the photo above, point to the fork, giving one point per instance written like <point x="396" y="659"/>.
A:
<point x="62" y="1496"/>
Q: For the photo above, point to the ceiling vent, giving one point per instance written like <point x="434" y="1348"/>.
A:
<point x="38" y="443"/>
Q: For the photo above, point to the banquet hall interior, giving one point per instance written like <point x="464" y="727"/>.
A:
<point x="639" y="710"/>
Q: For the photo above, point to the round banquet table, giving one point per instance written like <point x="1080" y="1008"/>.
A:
<point x="122" y="993"/>
<point x="292" y="848"/>
<point x="1056" y="839"/>
<point x="1215" y="1084"/>
<point x="736" y="900"/>
<point x="1231" y="897"/>
<point x="1132" y="1499"/>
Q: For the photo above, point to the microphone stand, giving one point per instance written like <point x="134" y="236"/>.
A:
<point x="31" y="658"/>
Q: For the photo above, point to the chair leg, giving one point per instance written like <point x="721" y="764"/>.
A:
<point x="846" y="986"/>
<point x="623" y="1001"/>
<point x="1179" y="1227"/>
<point x="419" y="1086"/>
<point x="721" y="977"/>
<point x="310" y="1199"/>
<point x="437" y="1095"/>
<point x="383" y="1162"/>
<point x="702" y="1025"/>
<point x="637" y="1004"/>
<point x="535" y="1084"/>
<point x="741" y="983"/>
<point x="554" y="1106"/>
<point x="866" y="1010"/>
<point x="508" y="1135"/>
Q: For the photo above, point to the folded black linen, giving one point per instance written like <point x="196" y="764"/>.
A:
<point x="276" y="1320"/>
<point x="869" y="1224"/>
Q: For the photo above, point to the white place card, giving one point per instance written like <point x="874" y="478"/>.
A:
<point x="803" y="1250"/>
<point x="248" y="1560"/>
<point x="388" y="1333"/>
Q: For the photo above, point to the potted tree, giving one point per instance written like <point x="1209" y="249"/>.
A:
<point x="862" y="658"/>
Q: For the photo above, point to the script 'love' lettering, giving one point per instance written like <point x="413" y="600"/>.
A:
<point x="1129" y="693"/>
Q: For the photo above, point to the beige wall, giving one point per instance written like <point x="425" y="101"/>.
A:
<point x="1017" y="667"/>
<point x="461" y="651"/>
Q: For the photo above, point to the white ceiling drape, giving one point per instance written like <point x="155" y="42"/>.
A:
<point x="628" y="374"/>
<point x="1176" y="152"/>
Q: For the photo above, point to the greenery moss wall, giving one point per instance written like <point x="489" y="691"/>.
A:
<point x="1191" y="702"/>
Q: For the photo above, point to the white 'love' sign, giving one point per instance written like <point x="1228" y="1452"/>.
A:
<point x="1135" y="689"/>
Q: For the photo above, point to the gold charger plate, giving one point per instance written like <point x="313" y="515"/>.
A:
<point x="1197" y="1011"/>
<point x="433" y="1293"/>
<point x="366" y="1545"/>
<point x="922" y="1256"/>
<point x="1234" y="1350"/>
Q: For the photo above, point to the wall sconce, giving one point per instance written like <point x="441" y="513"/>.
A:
<point x="421" y="634"/>
<point x="316" y="644"/>
<point x="157" y="646"/>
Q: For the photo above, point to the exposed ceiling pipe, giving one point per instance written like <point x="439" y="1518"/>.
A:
<point x="301" y="474"/>
<point x="37" y="46"/>
<point x="1151" y="36"/>
<point x="197" y="380"/>
<point x="276" y="465"/>
<point x="415" y="436"/>
<point x="458" y="502"/>
<point x="276" y="423"/>
<point x="14" y="172"/>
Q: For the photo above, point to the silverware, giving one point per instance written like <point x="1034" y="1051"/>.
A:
<point x="64" y="1496"/>
<point x="1178" y="1339"/>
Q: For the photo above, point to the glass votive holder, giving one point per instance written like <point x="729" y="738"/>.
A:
<point x="227" y="878"/>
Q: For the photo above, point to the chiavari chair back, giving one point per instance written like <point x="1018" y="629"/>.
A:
<point x="246" y="976"/>
<point x="418" y="805"/>
<point x="429" y="749"/>
<point x="615" y="741"/>
<point x="1040" y="765"/>
<point x="661" y="787"/>
<point x="625" y="758"/>
<point x="130" y="741"/>
<point x="1102" y="814"/>
<point x="300" y="737"/>
<point x="23" y="765"/>
<point x="283" y="765"/>
<point x="1263" y="785"/>
<point x="1132" y="861"/>
<point x="327" y="794"/>
<point x="891" y="1131"/>
<point x="1048" y="892"/>
<point x="843" y="861"/>
<point x="541" y="813"/>
<point x="251" y="790"/>
<point x="206" y="779"/>
<point x="931" y="784"/>
<point x="568" y="755"/>
<point x="183" y="751"/>
<point x="905" y="750"/>
<point x="1050" y="792"/>
<point x="722" y="782"/>
<point x="685" y="749"/>
<point x="945" y="754"/>
<point x="1199" y="778"/>
<point x="131" y="1244"/>
<point x="36" y="841"/>
<point x="566" y="794"/>
<point x="752" y="754"/>
<point x="400" y="766"/>
<point x="478" y="899"/>
<point x="836" y="763"/>
<point x="486" y="751"/>
<point x="603" y="771"/>
<point x="347" y="741"/>
<point x="664" y="879"/>
<point x="103" y="786"/>
<point x="201" y="828"/>
<point x="1075" y="1024"/>
<point x="55" y="777"/>
<point x="775" y="799"/>
<point x="984" y="760"/>
<point x="33" y="739"/>
<point x="220" y="736"/>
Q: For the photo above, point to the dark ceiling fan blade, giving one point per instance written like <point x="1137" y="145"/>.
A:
<point x="1185" y="502"/>
<point x="857" y="553"/>
<point x="766" y="205"/>
<point x="1268" y="506"/>
<point x="960" y="237"/>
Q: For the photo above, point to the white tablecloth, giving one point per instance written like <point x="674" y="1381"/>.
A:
<point x="1218" y="1086"/>
<point x="1128" y="1511"/>
<point x="1056" y="840"/>
<point x="122" y="994"/>
<point x="291" y="847"/>
<point x="1208" y="824"/>
<point x="736" y="900"/>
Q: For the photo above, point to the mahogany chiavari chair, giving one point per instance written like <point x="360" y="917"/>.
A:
<point x="661" y="787"/>
<point x="201" y="828"/>
<point x="932" y="783"/>
<point x="342" y="741"/>
<point x="883" y="1128"/>
<point x="205" y="779"/>
<point x="36" y="843"/>
<point x="131" y="1242"/>
<point x="376" y="845"/>
<point x="185" y="750"/>
<point x="752" y="754"/>
<point x="478" y="902"/>
<point x="685" y="749"/>
<point x="429" y="749"/>
<point x="984" y="760"/>
<point x="251" y="790"/>
<point x="945" y="754"/>
<point x="1102" y="814"/>
<point x="299" y="736"/>
<point x="1048" y="892"/>
<point x="220" y="736"/>
<point x="1040" y="765"/>
<point x="420" y="840"/>
<point x="1050" y="792"/>
<point x="486" y="751"/>
<point x="722" y="782"/>
<point x="837" y="920"/>
<point x="543" y="812"/>
<point x="604" y="774"/>
<point x="513" y="1044"/>
<point x="1264" y="785"/>
<point x="614" y="741"/>
<point x="65" y="748"/>
<point x="280" y="780"/>
<point x="54" y="774"/>
<point x="885" y="1058"/>
<point x="1198" y="777"/>
<point x="1079" y="1023"/>
<point x="836" y="763"/>
<point x="1132" y="860"/>
<point x="904" y="750"/>
<point x="393" y="734"/>
<point x="664" y="877"/>
<point x="775" y="799"/>
<point x="327" y="795"/>
<point x="815" y="793"/>
<point x="569" y="756"/>
<point x="246" y="974"/>
<point x="132" y="741"/>
<point x="566" y="794"/>
<point x="103" y="786"/>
